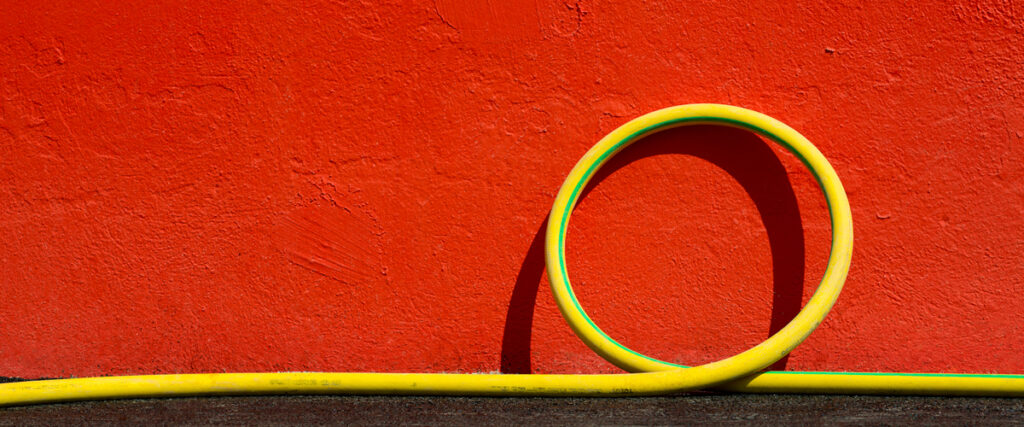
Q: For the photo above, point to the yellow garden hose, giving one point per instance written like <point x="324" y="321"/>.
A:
<point x="736" y="373"/>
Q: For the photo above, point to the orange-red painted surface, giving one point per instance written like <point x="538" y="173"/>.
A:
<point x="358" y="186"/>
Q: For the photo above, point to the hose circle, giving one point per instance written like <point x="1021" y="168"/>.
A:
<point x="761" y="355"/>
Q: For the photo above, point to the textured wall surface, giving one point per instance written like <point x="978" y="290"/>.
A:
<point x="352" y="186"/>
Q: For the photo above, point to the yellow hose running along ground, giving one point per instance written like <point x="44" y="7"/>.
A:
<point x="738" y="373"/>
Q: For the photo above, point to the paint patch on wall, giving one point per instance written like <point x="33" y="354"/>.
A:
<point x="341" y="243"/>
<point x="501" y="21"/>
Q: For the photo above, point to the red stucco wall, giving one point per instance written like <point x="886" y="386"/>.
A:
<point x="351" y="186"/>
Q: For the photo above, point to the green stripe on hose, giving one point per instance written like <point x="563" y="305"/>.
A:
<point x="614" y="150"/>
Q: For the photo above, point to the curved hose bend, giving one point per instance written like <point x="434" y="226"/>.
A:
<point x="736" y="373"/>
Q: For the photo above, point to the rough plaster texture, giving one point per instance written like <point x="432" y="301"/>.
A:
<point x="361" y="186"/>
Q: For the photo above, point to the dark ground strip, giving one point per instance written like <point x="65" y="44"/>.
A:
<point x="363" y="410"/>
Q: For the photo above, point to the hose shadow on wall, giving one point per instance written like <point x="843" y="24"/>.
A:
<point x="751" y="162"/>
